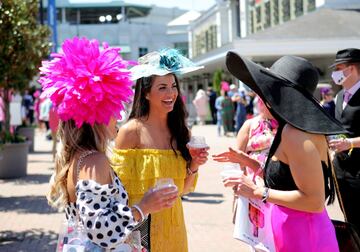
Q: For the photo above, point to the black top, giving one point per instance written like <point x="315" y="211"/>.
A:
<point x="278" y="176"/>
<point x="347" y="167"/>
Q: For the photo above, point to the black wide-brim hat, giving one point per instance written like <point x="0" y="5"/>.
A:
<point x="287" y="88"/>
<point x="347" y="56"/>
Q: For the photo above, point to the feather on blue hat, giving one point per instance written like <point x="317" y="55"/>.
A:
<point x="161" y="63"/>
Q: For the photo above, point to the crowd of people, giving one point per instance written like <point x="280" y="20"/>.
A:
<point x="113" y="195"/>
<point x="28" y="109"/>
<point x="228" y="110"/>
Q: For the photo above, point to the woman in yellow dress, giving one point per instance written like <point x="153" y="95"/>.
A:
<point x="152" y="145"/>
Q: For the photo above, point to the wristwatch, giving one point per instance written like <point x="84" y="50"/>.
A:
<point x="265" y="195"/>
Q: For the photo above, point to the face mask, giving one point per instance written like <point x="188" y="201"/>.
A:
<point x="339" y="77"/>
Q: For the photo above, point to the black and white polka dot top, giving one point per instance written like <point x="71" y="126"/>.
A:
<point x="103" y="211"/>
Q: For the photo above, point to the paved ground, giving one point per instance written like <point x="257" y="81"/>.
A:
<point x="27" y="223"/>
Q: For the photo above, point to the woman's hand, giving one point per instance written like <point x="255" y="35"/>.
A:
<point x="339" y="145"/>
<point x="236" y="156"/>
<point x="243" y="186"/>
<point x="199" y="156"/>
<point x="157" y="200"/>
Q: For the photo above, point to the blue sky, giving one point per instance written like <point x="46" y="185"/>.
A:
<point x="199" y="5"/>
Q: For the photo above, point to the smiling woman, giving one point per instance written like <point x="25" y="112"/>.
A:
<point x="152" y="145"/>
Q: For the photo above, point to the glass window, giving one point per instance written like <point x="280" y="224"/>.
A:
<point x="299" y="7"/>
<point x="93" y="15"/>
<point x="267" y="15"/>
<point x="213" y="30"/>
<point x="252" y="21"/>
<point x="275" y="4"/>
<point x="182" y="47"/>
<point x="58" y="15"/>
<point x="143" y="51"/>
<point x="286" y="10"/>
<point x="258" y="14"/>
<point x="311" y="5"/>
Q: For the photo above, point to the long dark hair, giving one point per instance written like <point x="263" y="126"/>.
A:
<point x="175" y="120"/>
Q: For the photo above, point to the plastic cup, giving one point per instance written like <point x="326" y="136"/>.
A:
<point x="164" y="183"/>
<point x="334" y="137"/>
<point x="231" y="170"/>
<point x="196" y="145"/>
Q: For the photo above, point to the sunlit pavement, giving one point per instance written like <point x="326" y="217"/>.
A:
<point x="29" y="224"/>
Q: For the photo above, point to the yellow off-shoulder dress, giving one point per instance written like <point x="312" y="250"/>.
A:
<point x="138" y="170"/>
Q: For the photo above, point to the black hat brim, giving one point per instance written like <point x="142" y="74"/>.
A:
<point x="344" y="61"/>
<point x="285" y="100"/>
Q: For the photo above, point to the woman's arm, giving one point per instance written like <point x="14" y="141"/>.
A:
<point x="301" y="153"/>
<point x="243" y="136"/>
<point x="195" y="163"/>
<point x="108" y="222"/>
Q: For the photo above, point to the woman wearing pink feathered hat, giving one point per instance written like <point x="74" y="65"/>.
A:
<point x="88" y="87"/>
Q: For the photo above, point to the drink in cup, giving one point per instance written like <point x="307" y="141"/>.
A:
<point x="335" y="137"/>
<point x="196" y="145"/>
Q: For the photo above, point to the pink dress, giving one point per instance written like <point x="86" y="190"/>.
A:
<point x="261" y="136"/>
<point x="296" y="230"/>
<point x="299" y="231"/>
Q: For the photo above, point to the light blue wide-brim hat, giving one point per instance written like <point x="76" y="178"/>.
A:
<point x="162" y="63"/>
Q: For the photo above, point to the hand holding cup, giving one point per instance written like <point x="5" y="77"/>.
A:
<point x="198" y="149"/>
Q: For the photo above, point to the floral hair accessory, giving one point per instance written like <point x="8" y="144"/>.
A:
<point x="161" y="63"/>
<point x="86" y="84"/>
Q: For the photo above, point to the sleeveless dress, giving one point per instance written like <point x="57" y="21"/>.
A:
<point x="139" y="169"/>
<point x="103" y="212"/>
<point x="261" y="136"/>
<point x="294" y="230"/>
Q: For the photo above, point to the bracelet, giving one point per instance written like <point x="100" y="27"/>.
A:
<point x="190" y="172"/>
<point x="265" y="195"/>
<point x="351" y="146"/>
<point x="143" y="217"/>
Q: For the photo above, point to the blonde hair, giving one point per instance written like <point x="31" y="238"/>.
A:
<point x="74" y="140"/>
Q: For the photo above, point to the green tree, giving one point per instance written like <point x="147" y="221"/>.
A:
<point x="217" y="78"/>
<point x="24" y="43"/>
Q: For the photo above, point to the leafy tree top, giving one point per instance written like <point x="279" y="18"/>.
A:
<point x="24" y="43"/>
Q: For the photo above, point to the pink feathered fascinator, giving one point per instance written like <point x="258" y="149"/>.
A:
<point x="85" y="84"/>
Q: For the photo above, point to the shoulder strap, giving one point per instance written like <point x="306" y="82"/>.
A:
<point x="80" y="161"/>
<point x="275" y="144"/>
<point x="337" y="190"/>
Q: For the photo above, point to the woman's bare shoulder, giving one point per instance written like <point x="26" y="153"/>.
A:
<point x="128" y="135"/>
<point x="293" y="138"/>
<point x="96" y="167"/>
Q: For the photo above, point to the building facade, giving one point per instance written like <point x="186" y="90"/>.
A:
<point x="137" y="29"/>
<point x="265" y="30"/>
<point x="263" y="14"/>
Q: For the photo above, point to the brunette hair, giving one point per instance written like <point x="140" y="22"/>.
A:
<point x="176" y="120"/>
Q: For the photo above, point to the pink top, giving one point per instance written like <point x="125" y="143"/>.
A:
<point x="53" y="120"/>
<point x="2" y="114"/>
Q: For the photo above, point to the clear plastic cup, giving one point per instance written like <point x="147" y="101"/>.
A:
<point x="231" y="170"/>
<point x="335" y="137"/>
<point x="196" y="145"/>
<point x="164" y="183"/>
